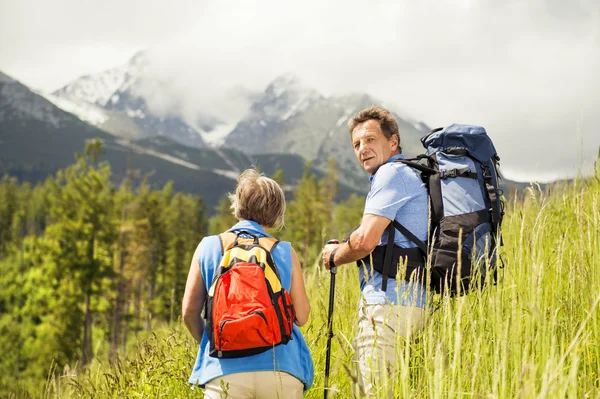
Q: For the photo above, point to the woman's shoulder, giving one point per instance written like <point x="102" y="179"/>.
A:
<point x="209" y="241"/>
<point x="283" y="249"/>
<point x="285" y="245"/>
<point x="209" y="248"/>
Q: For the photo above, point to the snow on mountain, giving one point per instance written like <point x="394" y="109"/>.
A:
<point x="287" y="96"/>
<point x="111" y="100"/>
<point x="217" y="135"/>
<point x="98" y="89"/>
<point x="87" y="112"/>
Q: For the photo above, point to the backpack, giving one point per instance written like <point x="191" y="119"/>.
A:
<point x="247" y="309"/>
<point x="466" y="211"/>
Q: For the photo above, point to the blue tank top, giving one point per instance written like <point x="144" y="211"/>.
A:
<point x="293" y="358"/>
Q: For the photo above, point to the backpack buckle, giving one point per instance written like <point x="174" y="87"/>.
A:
<point x="448" y="173"/>
<point x="487" y="174"/>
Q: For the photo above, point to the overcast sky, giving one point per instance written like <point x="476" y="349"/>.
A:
<point x="526" y="70"/>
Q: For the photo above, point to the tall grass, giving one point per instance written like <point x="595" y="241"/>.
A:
<point x="536" y="334"/>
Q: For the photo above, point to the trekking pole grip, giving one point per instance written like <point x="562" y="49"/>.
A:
<point x="332" y="266"/>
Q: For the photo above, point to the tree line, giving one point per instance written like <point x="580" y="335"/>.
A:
<point x="87" y="265"/>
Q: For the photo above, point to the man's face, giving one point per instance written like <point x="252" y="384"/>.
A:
<point x="371" y="146"/>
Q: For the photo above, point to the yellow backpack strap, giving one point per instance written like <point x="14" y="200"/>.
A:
<point x="271" y="271"/>
<point x="227" y="239"/>
<point x="267" y="243"/>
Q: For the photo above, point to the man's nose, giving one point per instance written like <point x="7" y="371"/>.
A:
<point x="362" y="148"/>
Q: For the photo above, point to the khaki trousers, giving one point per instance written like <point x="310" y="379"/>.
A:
<point x="255" y="384"/>
<point x="375" y="343"/>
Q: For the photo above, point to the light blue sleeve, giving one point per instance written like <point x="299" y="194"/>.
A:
<point x="388" y="193"/>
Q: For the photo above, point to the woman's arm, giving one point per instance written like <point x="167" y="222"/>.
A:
<point x="298" y="292"/>
<point x="193" y="300"/>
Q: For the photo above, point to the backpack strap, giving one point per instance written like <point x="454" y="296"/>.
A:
<point x="434" y="186"/>
<point x="422" y="246"/>
<point x="426" y="173"/>
<point x="464" y="172"/>
<point x="387" y="260"/>
<point x="227" y="240"/>
<point x="268" y="243"/>
<point x="494" y="194"/>
<point x="420" y="167"/>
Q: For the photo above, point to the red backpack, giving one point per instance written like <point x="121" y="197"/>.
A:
<point x="247" y="309"/>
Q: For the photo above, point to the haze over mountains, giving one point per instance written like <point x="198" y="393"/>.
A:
<point x="283" y="126"/>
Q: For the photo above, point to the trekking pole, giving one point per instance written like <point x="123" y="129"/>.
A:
<point x="333" y="271"/>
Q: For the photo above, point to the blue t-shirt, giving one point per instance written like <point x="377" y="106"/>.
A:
<point x="397" y="193"/>
<point x="293" y="358"/>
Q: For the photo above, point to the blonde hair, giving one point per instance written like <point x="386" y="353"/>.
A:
<point x="258" y="198"/>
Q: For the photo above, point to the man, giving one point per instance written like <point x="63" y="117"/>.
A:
<point x="397" y="193"/>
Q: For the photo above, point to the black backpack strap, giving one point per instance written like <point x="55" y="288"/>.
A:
<point x="434" y="184"/>
<point x="420" y="167"/>
<point x="387" y="260"/>
<point x="464" y="172"/>
<point x="496" y="203"/>
<point x="420" y="244"/>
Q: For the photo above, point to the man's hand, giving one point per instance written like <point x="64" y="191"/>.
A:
<point x="326" y="254"/>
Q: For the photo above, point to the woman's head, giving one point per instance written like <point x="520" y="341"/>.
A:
<point x="258" y="198"/>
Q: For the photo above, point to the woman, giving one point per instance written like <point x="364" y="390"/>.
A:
<point x="282" y="371"/>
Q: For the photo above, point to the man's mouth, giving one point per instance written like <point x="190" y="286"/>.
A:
<point x="366" y="159"/>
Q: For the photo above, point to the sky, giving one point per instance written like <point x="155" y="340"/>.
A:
<point x="526" y="70"/>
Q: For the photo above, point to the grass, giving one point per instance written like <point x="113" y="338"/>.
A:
<point x="536" y="334"/>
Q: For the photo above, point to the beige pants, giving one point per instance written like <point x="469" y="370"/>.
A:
<point x="379" y="328"/>
<point x="255" y="384"/>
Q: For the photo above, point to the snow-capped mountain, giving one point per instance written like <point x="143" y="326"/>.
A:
<point x="17" y="103"/>
<point x="271" y="115"/>
<point x="288" y="117"/>
<point x="292" y="118"/>
<point x="35" y="135"/>
<point x="100" y="88"/>
<point x="112" y="101"/>
<point x="113" y="122"/>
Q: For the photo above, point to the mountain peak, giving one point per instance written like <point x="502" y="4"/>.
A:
<point x="285" y="97"/>
<point x="98" y="89"/>
<point x="287" y="82"/>
<point x="139" y="60"/>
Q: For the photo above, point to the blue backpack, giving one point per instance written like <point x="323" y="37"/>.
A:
<point x="460" y="170"/>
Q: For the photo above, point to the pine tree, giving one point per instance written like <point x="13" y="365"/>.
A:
<point x="8" y="208"/>
<point x="81" y="202"/>
<point x="306" y="218"/>
<point x="224" y="218"/>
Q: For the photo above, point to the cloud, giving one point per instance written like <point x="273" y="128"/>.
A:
<point x="525" y="70"/>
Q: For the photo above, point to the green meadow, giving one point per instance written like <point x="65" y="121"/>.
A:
<point x="534" y="334"/>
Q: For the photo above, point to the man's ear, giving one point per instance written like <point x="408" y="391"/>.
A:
<point x="394" y="139"/>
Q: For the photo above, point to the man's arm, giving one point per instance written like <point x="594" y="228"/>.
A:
<point x="361" y="242"/>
